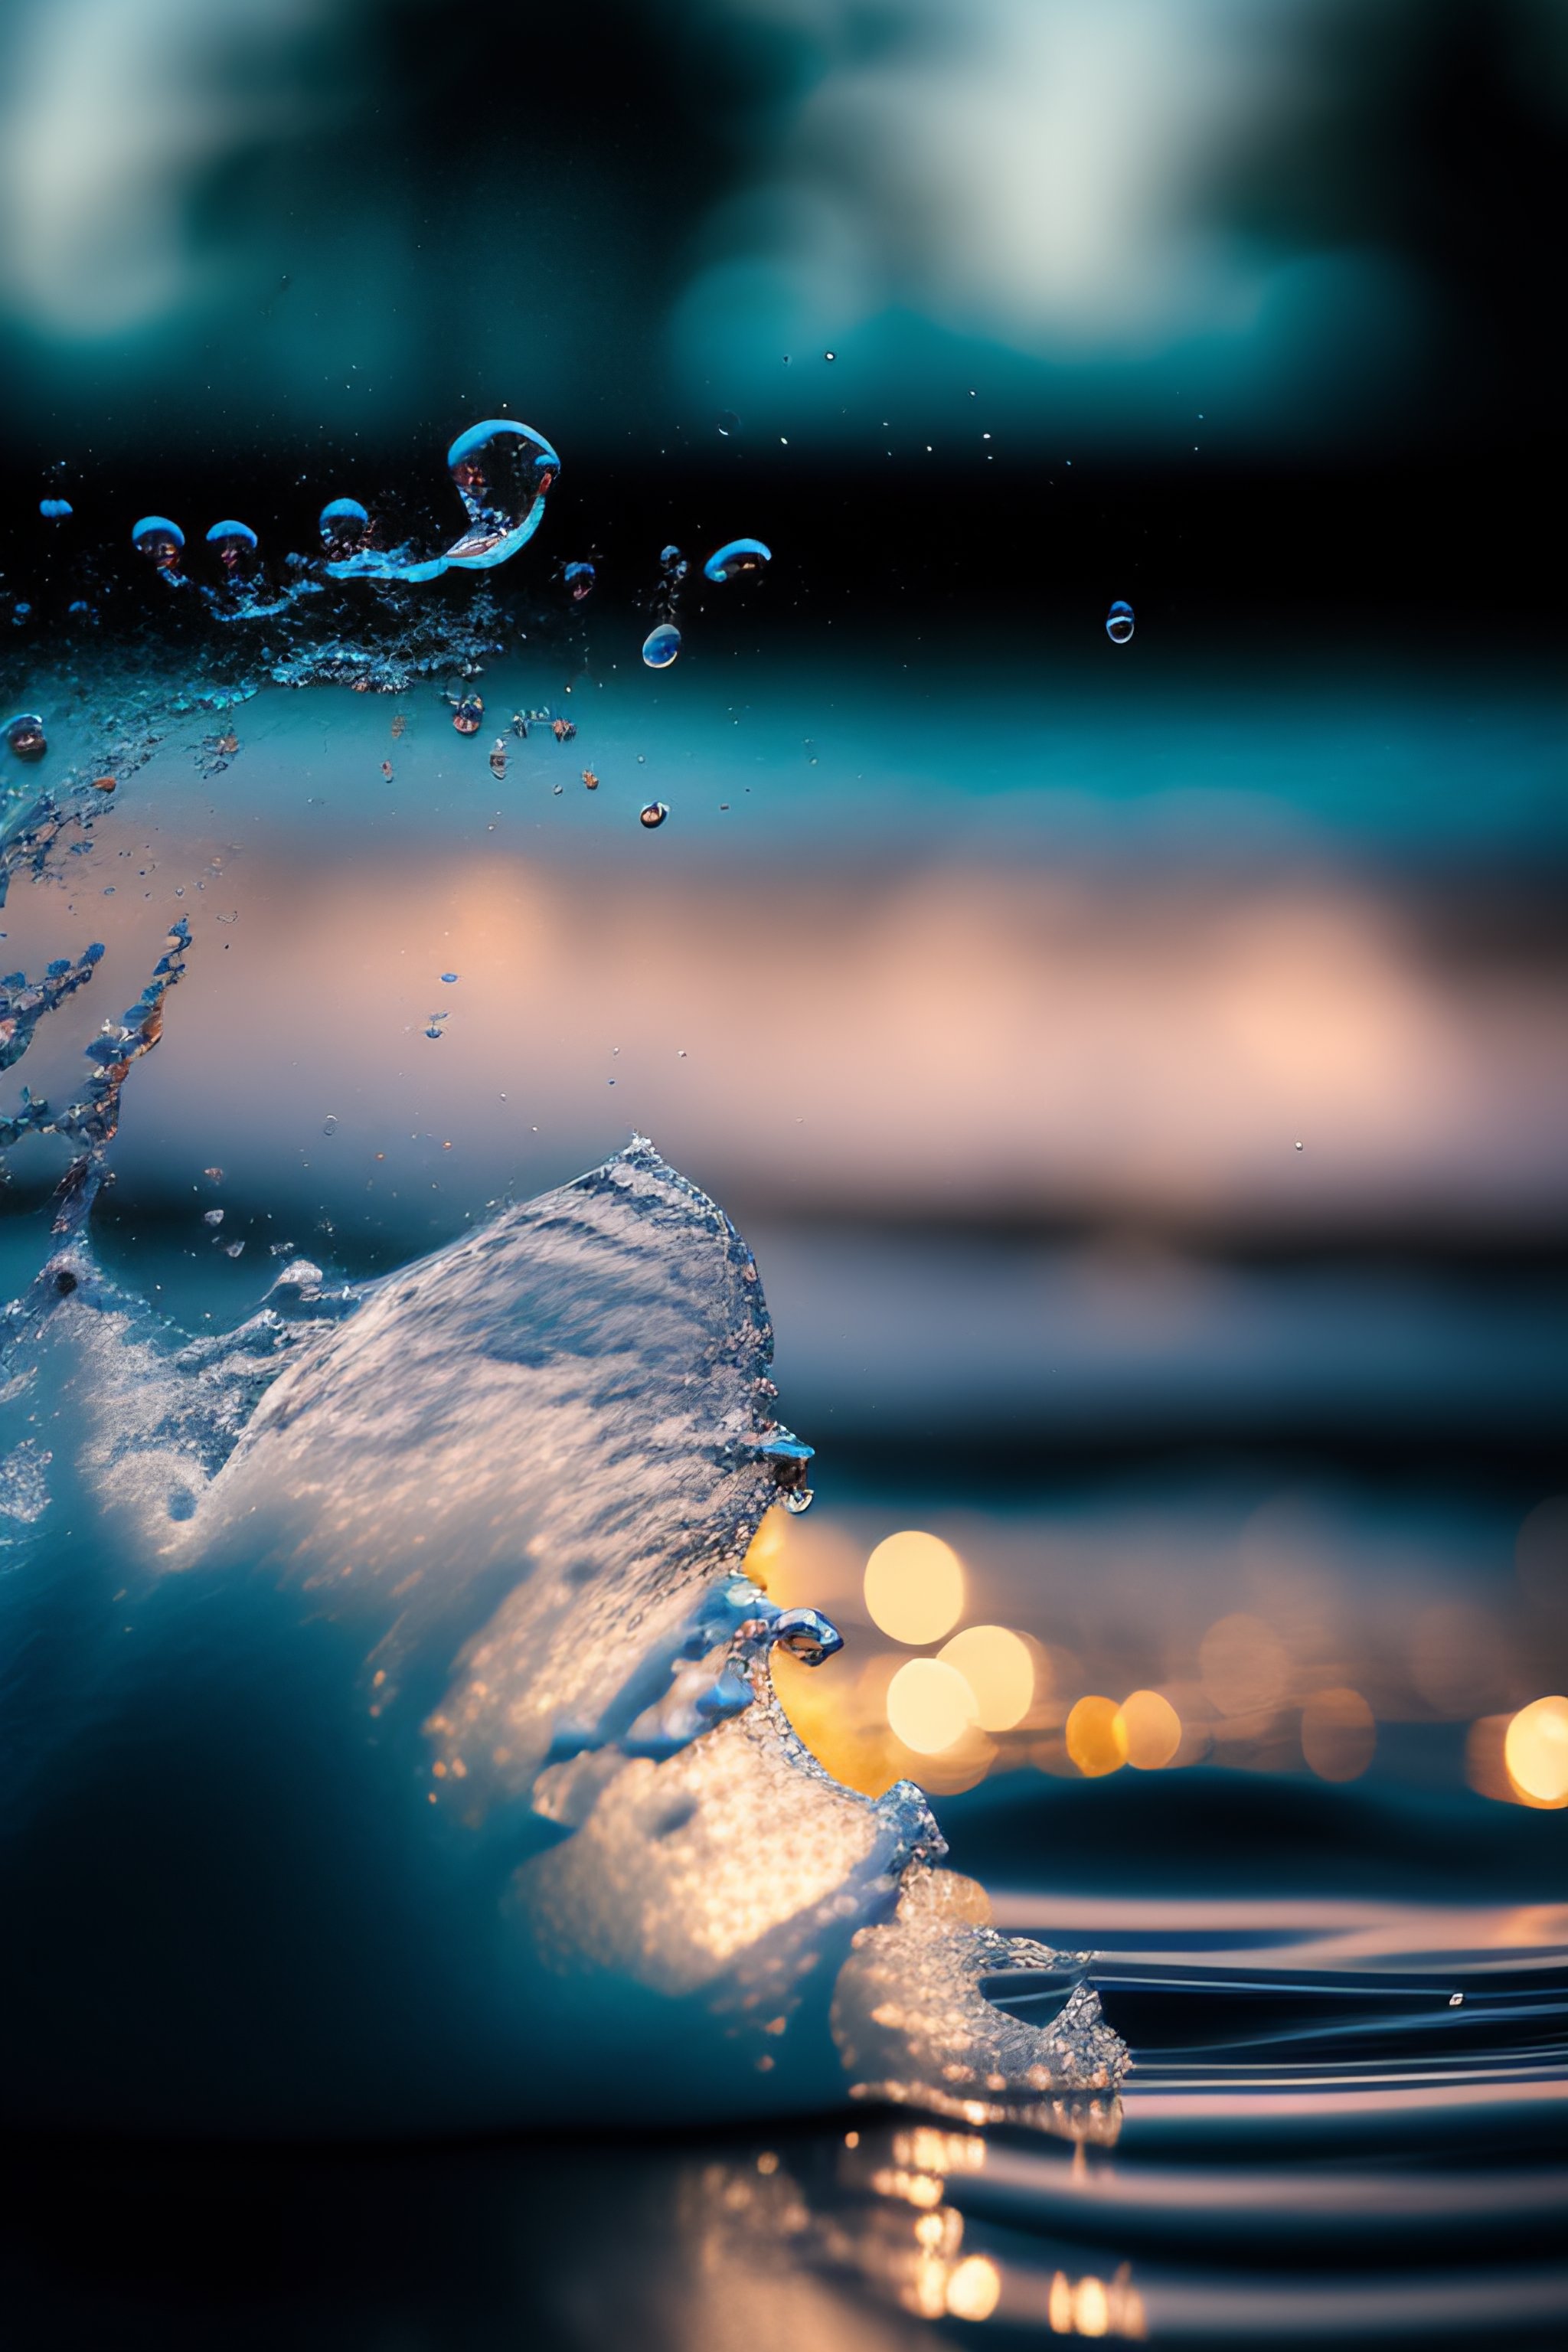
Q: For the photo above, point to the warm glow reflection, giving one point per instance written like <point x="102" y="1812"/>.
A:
<point x="1151" y="1729"/>
<point x="999" y="1670"/>
<point x="1535" y="1750"/>
<point x="914" y="1587"/>
<point x="766" y="1547"/>
<point x="930" y="1705"/>
<point x="1338" y="1734"/>
<point x="974" y="2288"/>
<point x="1095" y="1737"/>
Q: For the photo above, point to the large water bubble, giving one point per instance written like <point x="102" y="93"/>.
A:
<point x="159" y="540"/>
<point x="1119" y="621"/>
<point x="24" y="734"/>
<point x="660" y="646"/>
<point x="344" y="523"/>
<point x="232" y="542"/>
<point x="53" y="509"/>
<point x="503" y="471"/>
<point x="736" y="558"/>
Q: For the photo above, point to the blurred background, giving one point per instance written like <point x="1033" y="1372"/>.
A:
<point x="1139" y="1067"/>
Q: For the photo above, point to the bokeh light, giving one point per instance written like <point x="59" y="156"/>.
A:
<point x="1151" y="1729"/>
<point x="1535" y="1750"/>
<point x="974" y="2288"/>
<point x="1245" y="1666"/>
<point x="1339" y="1733"/>
<point x="999" y="1668"/>
<point x="1096" y="1737"/>
<point x="914" y="1587"/>
<point x="930" y="1705"/>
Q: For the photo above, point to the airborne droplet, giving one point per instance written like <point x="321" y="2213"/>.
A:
<point x="728" y="423"/>
<point x="24" y="734"/>
<point x="653" y="816"/>
<point x="53" y="509"/>
<point x="736" y="558"/>
<point x="1119" y="621"/>
<point x="232" y="541"/>
<point x="159" y="540"/>
<point x="465" y="718"/>
<point x="579" y="578"/>
<point x="502" y="471"/>
<point x="343" y="526"/>
<point x="660" y="646"/>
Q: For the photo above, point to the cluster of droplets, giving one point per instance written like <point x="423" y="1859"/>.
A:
<point x="737" y="559"/>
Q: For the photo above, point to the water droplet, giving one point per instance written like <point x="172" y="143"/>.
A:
<point x="796" y="1500"/>
<point x="660" y="646"/>
<point x="1119" y="621"/>
<point x="591" y="780"/>
<point x="735" y="558"/>
<point x="1456" y="2001"/>
<point x="433" y="1032"/>
<point x="579" y="578"/>
<point x="497" y="760"/>
<point x="448" y="977"/>
<point x="53" y="509"/>
<point x="344" y="523"/>
<point x="1300" y="1147"/>
<point x="232" y="542"/>
<point x="330" y="1124"/>
<point x="830" y="355"/>
<point x="234" y="1249"/>
<point x="502" y="471"/>
<point x="24" y="734"/>
<point x="728" y="423"/>
<point x="212" y="1216"/>
<point x="653" y="816"/>
<point x="159" y="540"/>
<point x="465" y="718"/>
<point x="386" y="770"/>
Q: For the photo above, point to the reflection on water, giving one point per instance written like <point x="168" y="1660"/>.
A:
<point x="1373" y="2163"/>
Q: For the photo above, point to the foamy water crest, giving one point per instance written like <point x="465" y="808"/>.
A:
<point x="387" y="1674"/>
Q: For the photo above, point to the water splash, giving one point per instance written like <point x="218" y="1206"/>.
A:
<point x="436" y="1578"/>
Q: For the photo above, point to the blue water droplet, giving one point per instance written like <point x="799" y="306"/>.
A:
<point x="653" y="816"/>
<point x="736" y="558"/>
<point x="729" y="424"/>
<point x="448" y="977"/>
<point x="502" y="471"/>
<point x="579" y="578"/>
<point x="343" y="526"/>
<point x="660" y="646"/>
<point x="53" y="509"/>
<point x="1119" y="621"/>
<point x="24" y="734"/>
<point x="232" y="542"/>
<point x="159" y="540"/>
